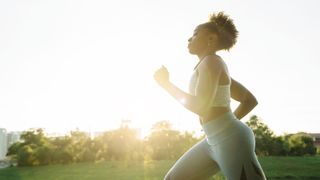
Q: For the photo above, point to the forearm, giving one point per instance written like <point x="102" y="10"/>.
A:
<point x="189" y="101"/>
<point x="244" y="108"/>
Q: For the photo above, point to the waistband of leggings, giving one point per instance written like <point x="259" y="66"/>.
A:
<point x="219" y="126"/>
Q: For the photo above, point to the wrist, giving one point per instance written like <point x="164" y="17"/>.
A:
<point x="166" y="84"/>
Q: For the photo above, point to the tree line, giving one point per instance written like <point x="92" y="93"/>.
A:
<point x="124" y="144"/>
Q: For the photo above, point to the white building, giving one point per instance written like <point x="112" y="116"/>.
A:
<point x="12" y="137"/>
<point x="3" y="143"/>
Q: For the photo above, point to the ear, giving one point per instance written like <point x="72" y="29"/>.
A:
<point x="213" y="38"/>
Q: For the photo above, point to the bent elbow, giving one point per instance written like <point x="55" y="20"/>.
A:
<point x="250" y="100"/>
<point x="255" y="102"/>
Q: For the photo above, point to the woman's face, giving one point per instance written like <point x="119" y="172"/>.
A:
<point x="199" y="41"/>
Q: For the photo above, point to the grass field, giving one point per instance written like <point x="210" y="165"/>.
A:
<point x="301" y="168"/>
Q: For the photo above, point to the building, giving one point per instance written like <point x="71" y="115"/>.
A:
<point x="6" y="140"/>
<point x="3" y="143"/>
<point x="316" y="139"/>
<point x="12" y="137"/>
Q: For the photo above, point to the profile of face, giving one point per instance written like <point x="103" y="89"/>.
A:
<point x="202" y="40"/>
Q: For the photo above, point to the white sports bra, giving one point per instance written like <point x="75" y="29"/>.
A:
<point x="222" y="96"/>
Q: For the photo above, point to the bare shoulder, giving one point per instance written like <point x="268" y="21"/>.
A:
<point x="212" y="63"/>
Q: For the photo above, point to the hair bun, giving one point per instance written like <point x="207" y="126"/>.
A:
<point x="219" y="19"/>
<point x="226" y="29"/>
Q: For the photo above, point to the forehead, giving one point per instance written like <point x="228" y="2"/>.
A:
<point x="201" y="29"/>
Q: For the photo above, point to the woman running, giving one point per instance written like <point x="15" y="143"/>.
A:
<point x="229" y="145"/>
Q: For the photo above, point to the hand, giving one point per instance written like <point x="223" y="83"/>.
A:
<point x="162" y="76"/>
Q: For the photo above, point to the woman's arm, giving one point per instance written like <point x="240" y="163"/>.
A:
<point x="209" y="73"/>
<point x="244" y="96"/>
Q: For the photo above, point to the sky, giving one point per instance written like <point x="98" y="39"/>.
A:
<point x="89" y="64"/>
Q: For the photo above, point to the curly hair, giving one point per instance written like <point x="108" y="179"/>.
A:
<point x="222" y="25"/>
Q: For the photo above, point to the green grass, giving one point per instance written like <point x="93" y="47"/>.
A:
<point x="301" y="168"/>
<point x="275" y="168"/>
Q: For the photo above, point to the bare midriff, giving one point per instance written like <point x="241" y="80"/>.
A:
<point x="213" y="113"/>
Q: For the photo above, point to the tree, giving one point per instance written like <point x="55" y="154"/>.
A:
<point x="263" y="135"/>
<point x="301" y="144"/>
<point x="166" y="143"/>
<point x="62" y="150"/>
<point x="33" y="150"/>
<point x="81" y="147"/>
<point x="34" y="136"/>
<point x="26" y="156"/>
<point x="120" y="144"/>
<point x="280" y="147"/>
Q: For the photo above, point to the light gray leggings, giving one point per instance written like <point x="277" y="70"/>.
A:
<point x="228" y="147"/>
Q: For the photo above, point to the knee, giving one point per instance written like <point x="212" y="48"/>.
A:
<point x="168" y="176"/>
<point x="172" y="175"/>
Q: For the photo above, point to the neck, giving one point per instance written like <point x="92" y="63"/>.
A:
<point x="203" y="55"/>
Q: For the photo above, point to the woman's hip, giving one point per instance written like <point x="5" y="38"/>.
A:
<point x="225" y="127"/>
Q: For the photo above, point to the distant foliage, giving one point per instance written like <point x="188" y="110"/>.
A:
<point x="120" y="144"/>
<point x="167" y="143"/>
<point x="267" y="143"/>
<point x="164" y="143"/>
<point x="264" y="136"/>
<point x="301" y="144"/>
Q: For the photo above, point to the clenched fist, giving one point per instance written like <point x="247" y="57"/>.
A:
<point x="162" y="76"/>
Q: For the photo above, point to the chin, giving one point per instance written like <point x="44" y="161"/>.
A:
<point x="192" y="52"/>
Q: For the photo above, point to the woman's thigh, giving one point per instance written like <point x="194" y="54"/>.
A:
<point x="196" y="163"/>
<point x="237" y="159"/>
